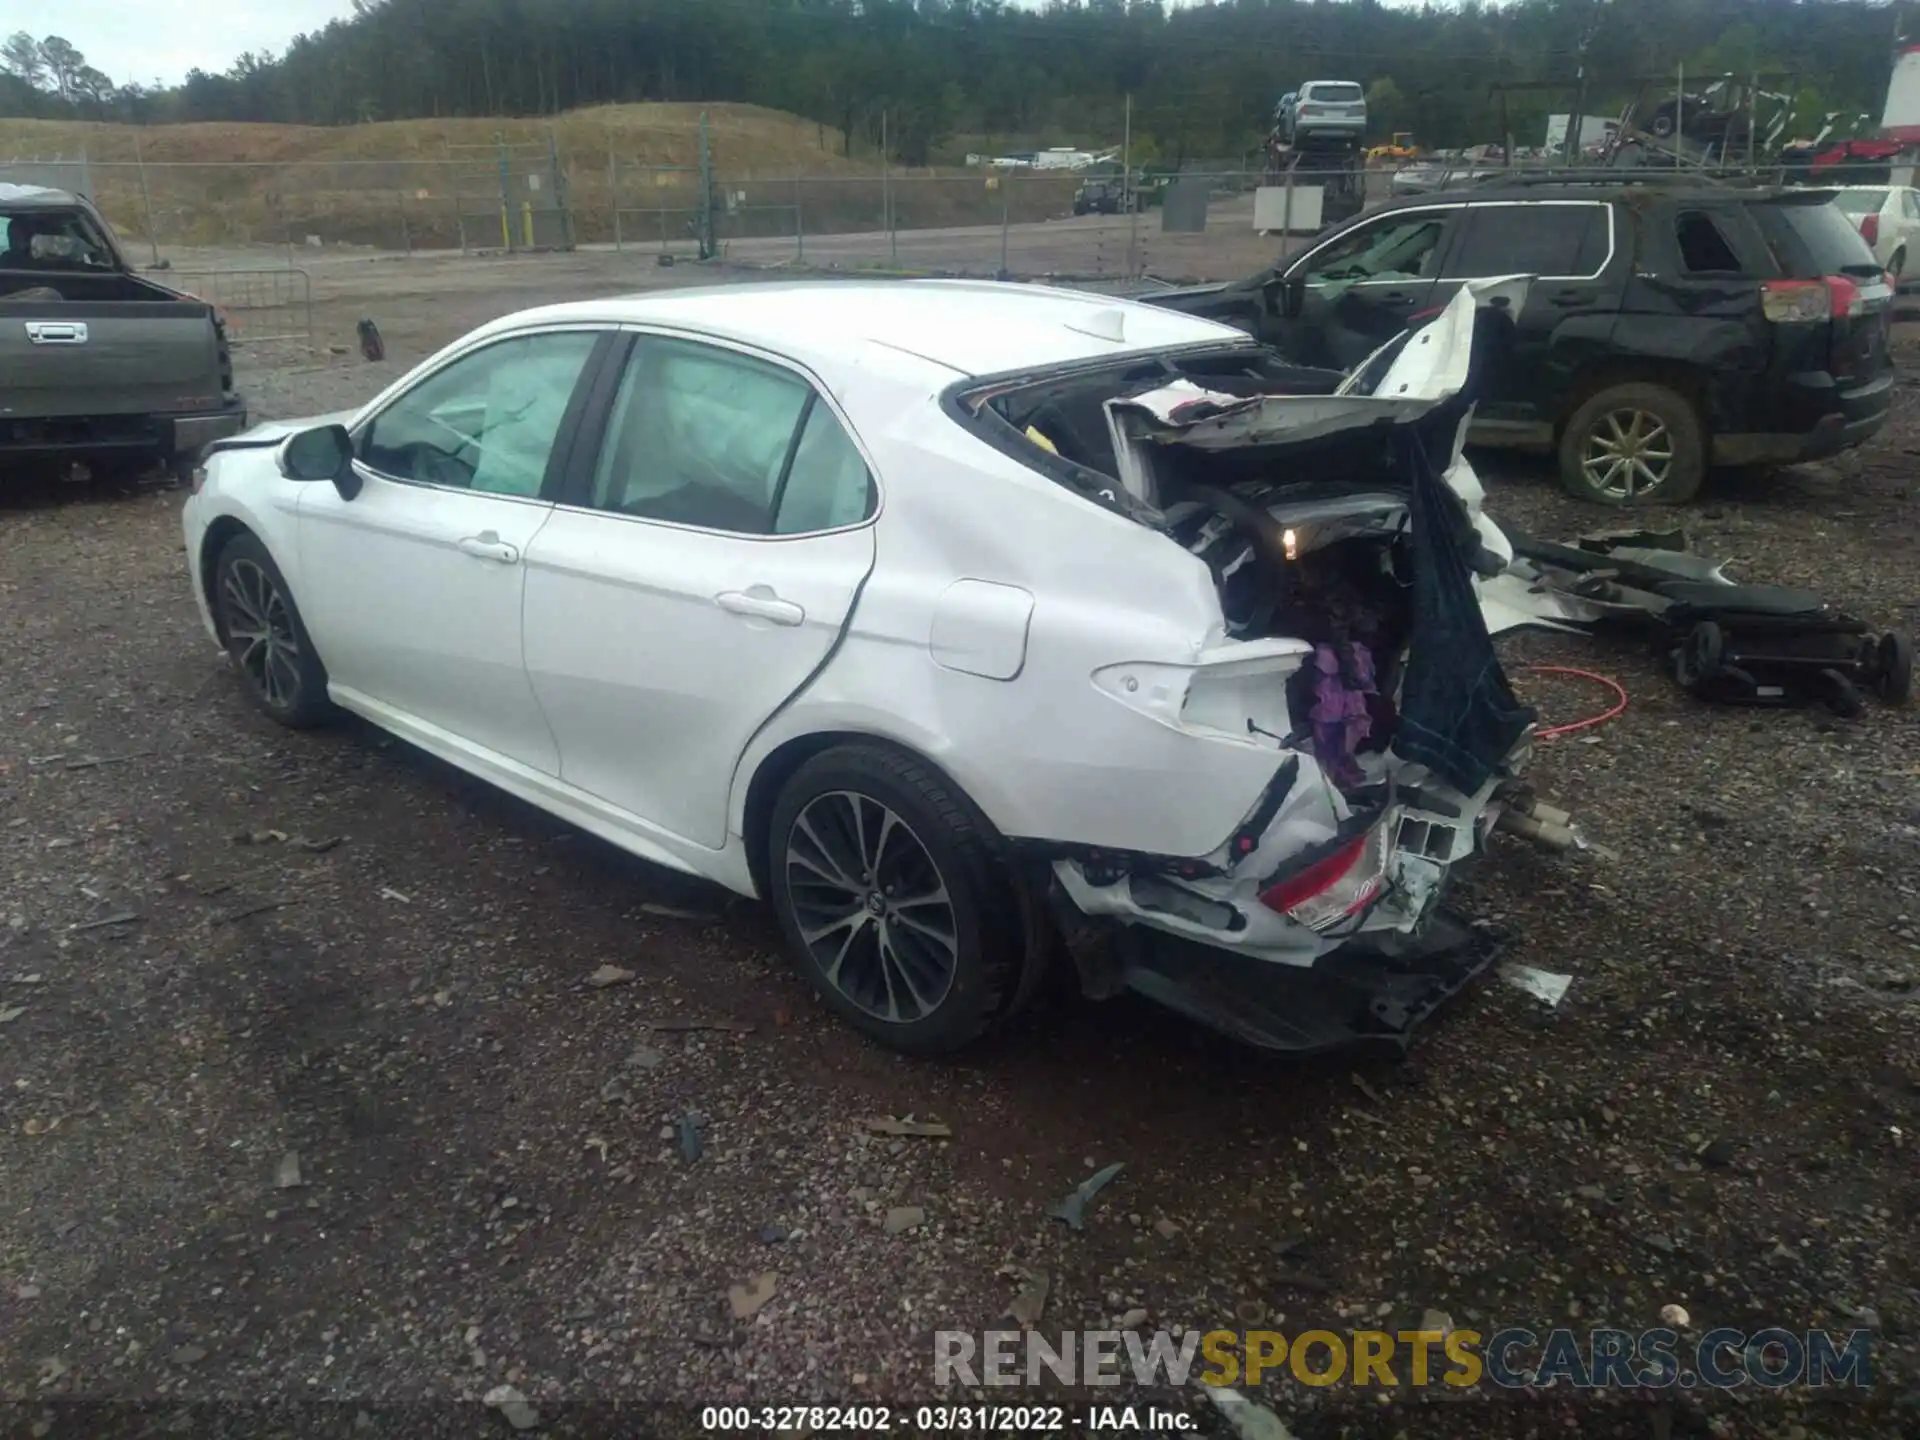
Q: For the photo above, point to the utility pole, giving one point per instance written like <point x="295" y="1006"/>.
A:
<point x="1127" y="196"/>
<point x="707" y="247"/>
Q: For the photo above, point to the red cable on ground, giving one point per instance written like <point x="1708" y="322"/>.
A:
<point x="1591" y="720"/>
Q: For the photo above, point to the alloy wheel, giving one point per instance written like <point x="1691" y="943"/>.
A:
<point x="260" y="633"/>
<point x="1628" y="453"/>
<point x="871" y="906"/>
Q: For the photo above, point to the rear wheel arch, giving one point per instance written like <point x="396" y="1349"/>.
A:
<point x="1676" y="375"/>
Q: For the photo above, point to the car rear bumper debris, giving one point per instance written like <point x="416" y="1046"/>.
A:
<point x="1371" y="993"/>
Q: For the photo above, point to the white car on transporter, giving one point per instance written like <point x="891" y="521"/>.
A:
<point x="954" y="620"/>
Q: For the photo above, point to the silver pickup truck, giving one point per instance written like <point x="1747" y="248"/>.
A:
<point x="100" y="366"/>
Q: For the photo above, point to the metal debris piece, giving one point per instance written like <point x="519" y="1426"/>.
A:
<point x="1250" y="1419"/>
<point x="733" y="1027"/>
<point x="513" y="1407"/>
<point x="287" y="1177"/>
<point x="321" y="847"/>
<point x="262" y="908"/>
<point x="1073" y="1209"/>
<point x="609" y="975"/>
<point x="1544" y="985"/>
<point x="905" y="1217"/>
<point x="387" y="892"/>
<point x="125" y="917"/>
<point x="94" y="762"/>
<point x="1360" y="1084"/>
<point x="747" y="1299"/>
<point x="674" y="912"/>
<point x="887" y="1125"/>
<point x="691" y="1148"/>
<point x="1031" y="1301"/>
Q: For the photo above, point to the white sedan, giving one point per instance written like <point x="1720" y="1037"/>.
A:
<point x="1888" y="218"/>
<point x="948" y="618"/>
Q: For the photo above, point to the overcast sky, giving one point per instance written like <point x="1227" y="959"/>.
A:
<point x="145" y="40"/>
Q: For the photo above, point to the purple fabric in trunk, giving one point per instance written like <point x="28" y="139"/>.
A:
<point x="1340" y="714"/>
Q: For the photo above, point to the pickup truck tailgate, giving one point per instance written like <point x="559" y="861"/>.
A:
<point x="60" y="359"/>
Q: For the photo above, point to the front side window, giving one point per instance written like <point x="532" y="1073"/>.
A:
<point x="487" y="422"/>
<point x="1400" y="247"/>
<point x="1558" y="240"/>
<point x="699" y="436"/>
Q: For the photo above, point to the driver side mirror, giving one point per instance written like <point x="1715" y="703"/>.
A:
<point x="323" y="453"/>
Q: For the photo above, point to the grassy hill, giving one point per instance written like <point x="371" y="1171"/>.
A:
<point x="409" y="182"/>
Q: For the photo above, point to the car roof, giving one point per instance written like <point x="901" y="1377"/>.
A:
<point x="38" y="197"/>
<point x="970" y="328"/>
<point x="1491" y="191"/>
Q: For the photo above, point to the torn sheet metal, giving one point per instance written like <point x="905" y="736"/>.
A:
<point x="1547" y="986"/>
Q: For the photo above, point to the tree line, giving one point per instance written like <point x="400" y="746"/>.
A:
<point x="937" y="75"/>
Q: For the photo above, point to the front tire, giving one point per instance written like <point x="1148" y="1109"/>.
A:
<point x="1634" y="444"/>
<point x="892" y="899"/>
<point x="265" y="637"/>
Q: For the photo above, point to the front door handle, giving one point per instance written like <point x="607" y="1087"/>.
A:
<point x="1396" y="297"/>
<point x="761" y="603"/>
<point x="488" y="545"/>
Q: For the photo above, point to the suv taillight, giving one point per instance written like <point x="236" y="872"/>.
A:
<point x="1803" y="301"/>
<point x="1870" y="229"/>
<point x="1336" y="885"/>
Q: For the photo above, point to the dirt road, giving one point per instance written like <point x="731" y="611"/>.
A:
<point x="305" y="1095"/>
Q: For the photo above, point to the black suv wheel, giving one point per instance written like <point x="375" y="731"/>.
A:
<point x="1634" y="444"/>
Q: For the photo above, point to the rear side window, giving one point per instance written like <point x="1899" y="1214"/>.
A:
<point x="1558" y="240"/>
<point x="1703" y="246"/>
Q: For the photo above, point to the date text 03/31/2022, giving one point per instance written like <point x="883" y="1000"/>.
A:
<point x="994" y="1419"/>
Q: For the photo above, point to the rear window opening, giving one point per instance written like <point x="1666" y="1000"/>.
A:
<point x="1333" y="94"/>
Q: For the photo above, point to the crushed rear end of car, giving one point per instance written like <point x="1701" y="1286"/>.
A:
<point x="1343" y="534"/>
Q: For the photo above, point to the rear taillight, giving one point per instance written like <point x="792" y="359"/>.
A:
<point x="1335" y="886"/>
<point x="1801" y="301"/>
<point x="1847" y="299"/>
<point x="1870" y="229"/>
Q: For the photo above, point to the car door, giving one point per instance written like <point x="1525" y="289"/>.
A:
<point x="1909" y="233"/>
<point x="1568" y="247"/>
<point x="703" y="564"/>
<point x="1364" y="286"/>
<point x="413" y="588"/>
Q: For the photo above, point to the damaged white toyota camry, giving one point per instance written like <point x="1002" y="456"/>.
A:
<point x="977" y="628"/>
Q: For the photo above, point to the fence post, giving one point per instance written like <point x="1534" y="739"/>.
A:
<point x="613" y="190"/>
<point x="506" y="193"/>
<point x="708" y="246"/>
<point x="886" y="194"/>
<point x="562" y="201"/>
<point x="799" y="221"/>
<point x="146" y="198"/>
<point x="1005" y="183"/>
<point x="1286" y="215"/>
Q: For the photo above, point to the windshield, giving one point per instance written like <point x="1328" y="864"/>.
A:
<point x="1861" y="202"/>
<point x="1334" y="94"/>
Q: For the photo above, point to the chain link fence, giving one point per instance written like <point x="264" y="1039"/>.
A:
<point x="1216" y="222"/>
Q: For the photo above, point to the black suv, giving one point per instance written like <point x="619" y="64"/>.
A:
<point x="1672" y="325"/>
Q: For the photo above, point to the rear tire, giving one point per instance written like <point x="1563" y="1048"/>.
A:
<point x="893" y="901"/>
<point x="266" y="640"/>
<point x="1897" y="267"/>
<point x="1633" y="444"/>
<point x="1894" y="677"/>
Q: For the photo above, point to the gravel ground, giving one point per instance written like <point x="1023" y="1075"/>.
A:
<point x="305" y="1094"/>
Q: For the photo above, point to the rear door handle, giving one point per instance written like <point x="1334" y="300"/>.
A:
<point x="761" y="603"/>
<point x="488" y="545"/>
<point x="56" y="332"/>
